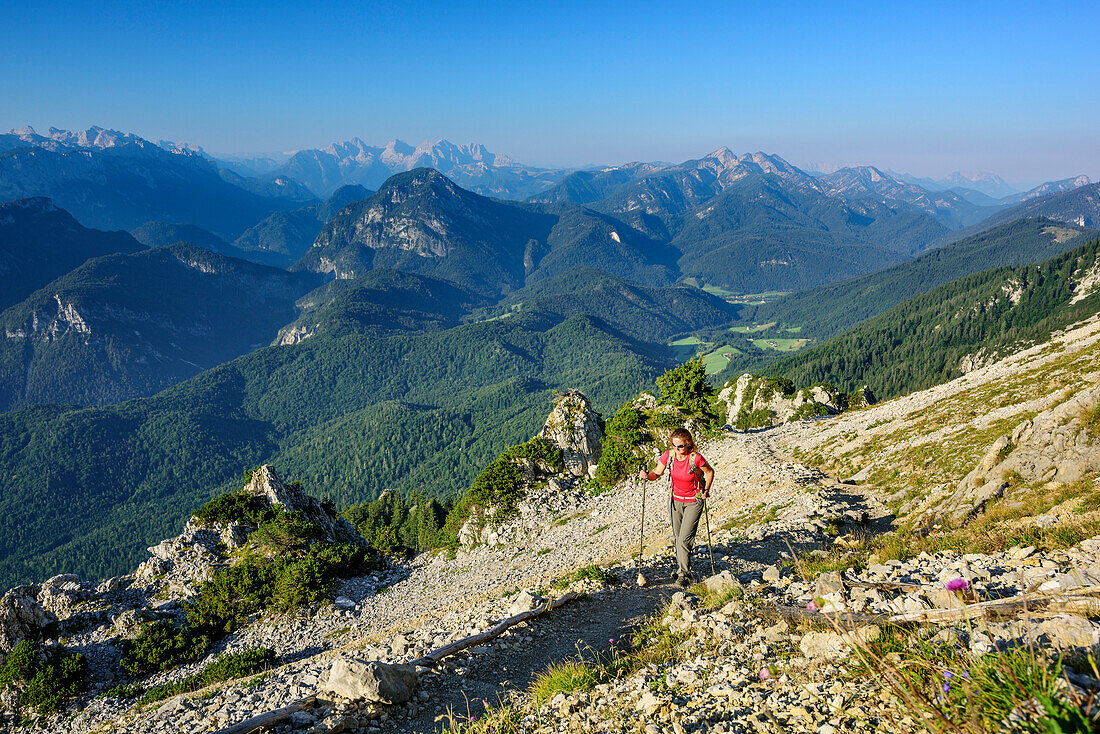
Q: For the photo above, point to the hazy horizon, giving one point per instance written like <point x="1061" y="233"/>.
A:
<point x="925" y="90"/>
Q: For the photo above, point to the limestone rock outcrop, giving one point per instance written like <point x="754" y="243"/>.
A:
<point x="1054" y="446"/>
<point x="179" y="565"/>
<point x="266" y="483"/>
<point x="366" y="680"/>
<point x="21" y="617"/>
<point x="755" y="402"/>
<point x="575" y="428"/>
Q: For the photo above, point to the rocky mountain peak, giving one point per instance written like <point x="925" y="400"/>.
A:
<point x="266" y="483"/>
<point x="575" y="428"/>
<point x="27" y="205"/>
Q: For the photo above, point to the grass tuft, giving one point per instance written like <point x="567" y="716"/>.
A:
<point x="565" y="677"/>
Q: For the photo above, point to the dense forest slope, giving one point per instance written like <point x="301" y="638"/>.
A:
<point x="384" y="298"/>
<point x="39" y="242"/>
<point x="285" y="236"/>
<point x="129" y="325"/>
<point x="952" y="329"/>
<point x="86" y="489"/>
<point x="823" y="312"/>
<point x="644" y="313"/>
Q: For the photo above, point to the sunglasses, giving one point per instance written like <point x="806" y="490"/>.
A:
<point x="679" y="445"/>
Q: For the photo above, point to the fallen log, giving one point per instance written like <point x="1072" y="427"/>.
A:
<point x="269" y="719"/>
<point x="1080" y="599"/>
<point x="435" y="656"/>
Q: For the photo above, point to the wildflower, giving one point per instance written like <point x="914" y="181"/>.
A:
<point x="946" y="688"/>
<point x="612" y="640"/>
<point x="765" y="674"/>
<point x="948" y="674"/>
<point x="812" y="606"/>
<point x="958" y="585"/>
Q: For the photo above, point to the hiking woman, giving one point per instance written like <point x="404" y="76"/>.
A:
<point x="692" y="478"/>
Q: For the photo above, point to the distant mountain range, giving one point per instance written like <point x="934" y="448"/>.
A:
<point x="110" y="180"/>
<point x="422" y="222"/>
<point x="988" y="184"/>
<point x="470" y="166"/>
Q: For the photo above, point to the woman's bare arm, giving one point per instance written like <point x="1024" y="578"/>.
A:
<point x="708" y="479"/>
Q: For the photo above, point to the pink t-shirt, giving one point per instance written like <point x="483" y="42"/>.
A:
<point x="685" y="482"/>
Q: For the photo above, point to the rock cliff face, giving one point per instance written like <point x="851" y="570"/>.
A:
<point x="267" y="484"/>
<point x="577" y="430"/>
<point x="1059" y="445"/>
<point x="754" y="402"/>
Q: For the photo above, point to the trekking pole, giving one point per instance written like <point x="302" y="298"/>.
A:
<point x="642" y="581"/>
<point x="710" y="547"/>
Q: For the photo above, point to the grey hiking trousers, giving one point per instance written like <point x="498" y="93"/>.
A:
<point x="685" y="520"/>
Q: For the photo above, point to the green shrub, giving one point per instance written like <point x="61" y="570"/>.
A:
<point x="539" y="450"/>
<point x="225" y="602"/>
<point x="616" y="462"/>
<point x="124" y="690"/>
<point x="627" y="425"/>
<point x="687" y="388"/>
<point x="49" y="676"/>
<point x="747" y="419"/>
<point x="286" y="533"/>
<point x="226" y="667"/>
<point x="343" y="559"/>
<point x="665" y="420"/>
<point x="235" y="507"/>
<point x="299" y="583"/>
<point x="772" y="385"/>
<point x="21" y="663"/>
<point x="160" y="646"/>
<point x="811" y="409"/>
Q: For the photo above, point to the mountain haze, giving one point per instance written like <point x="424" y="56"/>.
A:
<point x="470" y="166"/>
<point x="129" y="325"/>
<point x="120" y="181"/>
<point x="39" y="242"/>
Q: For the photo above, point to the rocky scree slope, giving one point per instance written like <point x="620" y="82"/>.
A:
<point x="727" y="665"/>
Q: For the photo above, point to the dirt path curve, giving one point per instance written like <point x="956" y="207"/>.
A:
<point x="585" y="628"/>
<point x="752" y="473"/>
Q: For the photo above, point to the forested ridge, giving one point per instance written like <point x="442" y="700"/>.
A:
<point x="923" y="341"/>
<point x="829" y="310"/>
<point x="85" y="490"/>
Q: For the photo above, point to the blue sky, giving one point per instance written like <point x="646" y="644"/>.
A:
<point x="922" y="87"/>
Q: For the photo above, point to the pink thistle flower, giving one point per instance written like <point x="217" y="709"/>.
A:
<point x="765" y="674"/>
<point x="958" y="585"/>
<point x="812" y="606"/>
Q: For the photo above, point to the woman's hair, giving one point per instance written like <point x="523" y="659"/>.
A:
<point x="684" y="434"/>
